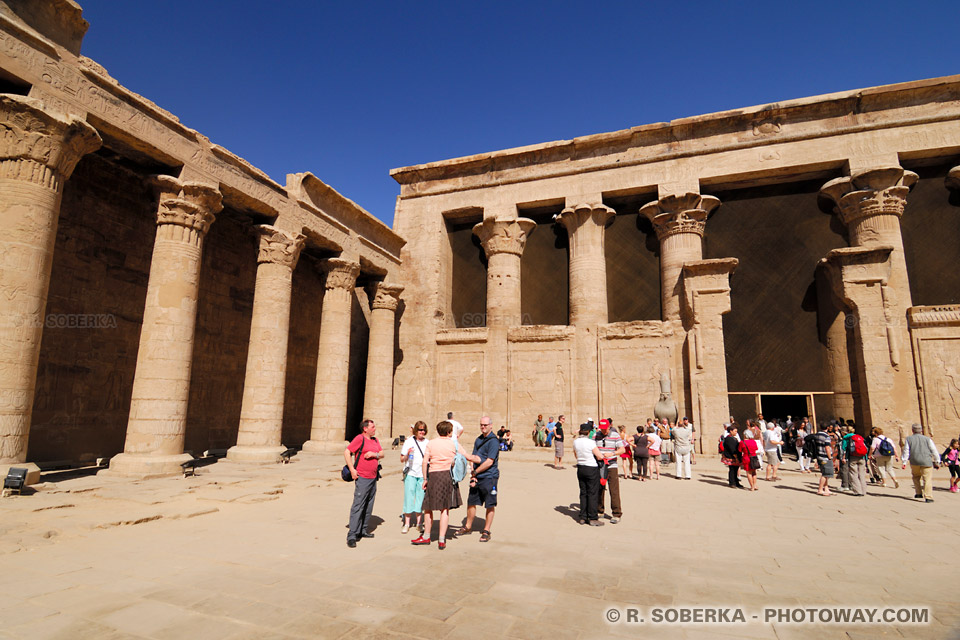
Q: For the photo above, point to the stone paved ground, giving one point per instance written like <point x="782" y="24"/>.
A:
<point x="260" y="553"/>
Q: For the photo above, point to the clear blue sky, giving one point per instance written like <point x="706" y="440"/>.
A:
<point x="350" y="90"/>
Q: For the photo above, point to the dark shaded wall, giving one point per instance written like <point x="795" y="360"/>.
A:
<point x="469" y="294"/>
<point x="101" y="265"/>
<point x="302" y="352"/>
<point x="357" y="377"/>
<point x="544" y="274"/>
<point x="224" y="311"/>
<point x="931" y="239"/>
<point x="633" y="267"/>
<point x="778" y="234"/>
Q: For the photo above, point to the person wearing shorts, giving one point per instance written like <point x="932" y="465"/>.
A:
<point x="824" y="461"/>
<point x="483" y="480"/>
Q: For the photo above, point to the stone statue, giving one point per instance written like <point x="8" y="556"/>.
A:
<point x="666" y="407"/>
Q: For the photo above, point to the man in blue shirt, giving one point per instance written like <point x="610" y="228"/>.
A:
<point x="484" y="479"/>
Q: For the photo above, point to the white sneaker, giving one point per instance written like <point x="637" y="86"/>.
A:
<point x="404" y="529"/>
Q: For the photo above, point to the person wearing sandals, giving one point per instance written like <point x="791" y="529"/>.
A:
<point x="411" y="455"/>
<point x="440" y="492"/>
<point x="483" y="479"/>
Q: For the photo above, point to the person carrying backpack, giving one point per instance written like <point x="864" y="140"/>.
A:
<point x="855" y="453"/>
<point x="884" y="452"/>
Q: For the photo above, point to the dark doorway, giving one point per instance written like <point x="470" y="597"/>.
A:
<point x="779" y="407"/>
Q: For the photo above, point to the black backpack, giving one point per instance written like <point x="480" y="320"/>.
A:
<point x="810" y="446"/>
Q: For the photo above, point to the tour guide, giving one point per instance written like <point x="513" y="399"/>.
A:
<point x="365" y="474"/>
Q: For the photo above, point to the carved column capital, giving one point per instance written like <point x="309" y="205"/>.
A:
<point x="341" y="274"/>
<point x="279" y="247"/>
<point x="872" y="192"/>
<point x="504" y="235"/>
<point x="387" y="296"/>
<point x="681" y="213"/>
<point x="953" y="179"/>
<point x="192" y="205"/>
<point x="39" y="147"/>
<point x="572" y="218"/>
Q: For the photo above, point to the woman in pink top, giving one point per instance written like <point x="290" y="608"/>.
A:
<point x="440" y="493"/>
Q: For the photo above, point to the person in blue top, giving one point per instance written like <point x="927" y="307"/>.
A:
<point x="483" y="479"/>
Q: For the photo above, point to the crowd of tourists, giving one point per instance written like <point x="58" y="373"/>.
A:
<point x="434" y="468"/>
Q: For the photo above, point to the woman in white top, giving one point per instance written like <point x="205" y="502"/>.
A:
<point x="801" y="458"/>
<point x="411" y="455"/>
<point x="655" y="443"/>
<point x="588" y="475"/>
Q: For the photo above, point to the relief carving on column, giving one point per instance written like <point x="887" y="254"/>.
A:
<point x="279" y="247"/>
<point x="341" y="274"/>
<point x="504" y="235"/>
<point x="387" y="296"/>
<point x="681" y="213"/>
<point x="39" y="147"/>
<point x="192" y="205"/>
<point x="881" y="191"/>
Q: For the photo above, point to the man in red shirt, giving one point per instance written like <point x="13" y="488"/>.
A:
<point x="365" y="474"/>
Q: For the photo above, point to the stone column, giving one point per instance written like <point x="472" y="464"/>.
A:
<point x="585" y="224"/>
<point x="329" y="426"/>
<point x="952" y="181"/>
<point x="870" y="203"/>
<point x="834" y="329"/>
<point x="378" y="392"/>
<point x="261" y="413"/>
<point x="679" y="221"/>
<point x="38" y="152"/>
<point x="161" y="383"/>
<point x="706" y="298"/>
<point x="503" y="240"/>
<point x="861" y="278"/>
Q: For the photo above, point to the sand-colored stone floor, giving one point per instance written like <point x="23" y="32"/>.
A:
<point x="260" y="553"/>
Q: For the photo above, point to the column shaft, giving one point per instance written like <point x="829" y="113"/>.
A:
<point x="161" y="383"/>
<point x="261" y="414"/>
<point x="329" y="425"/>
<point x="675" y="250"/>
<point x="378" y="394"/>
<point x="503" y="241"/>
<point x="38" y="152"/>
<point x="585" y="224"/>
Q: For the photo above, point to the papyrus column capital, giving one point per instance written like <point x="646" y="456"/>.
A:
<point x="279" y="247"/>
<point x="871" y="192"/>
<point x="192" y="205"/>
<point x="504" y="235"/>
<point x="577" y="216"/>
<point x="952" y="180"/>
<point x="387" y="296"/>
<point x="680" y="213"/>
<point x="340" y="273"/>
<point x="39" y="147"/>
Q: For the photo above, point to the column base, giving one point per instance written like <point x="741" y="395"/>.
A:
<point x="324" y="446"/>
<point x="239" y="453"/>
<point x="146" y="465"/>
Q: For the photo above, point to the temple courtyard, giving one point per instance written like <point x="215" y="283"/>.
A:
<point x="259" y="552"/>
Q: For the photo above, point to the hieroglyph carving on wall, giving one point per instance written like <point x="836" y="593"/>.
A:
<point x="630" y="383"/>
<point x="940" y="362"/>
<point x="460" y="382"/>
<point x="540" y="382"/>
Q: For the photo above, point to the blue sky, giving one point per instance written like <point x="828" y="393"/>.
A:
<point x="350" y="90"/>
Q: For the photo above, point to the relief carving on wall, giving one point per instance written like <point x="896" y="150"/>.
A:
<point x="630" y="384"/>
<point x="460" y="382"/>
<point x="540" y="382"/>
<point x="940" y="362"/>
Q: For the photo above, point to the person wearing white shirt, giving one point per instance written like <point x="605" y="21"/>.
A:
<point x="884" y="460"/>
<point x="411" y="455"/>
<point x="771" y="442"/>
<point x="588" y="475"/>
<point x="457" y="427"/>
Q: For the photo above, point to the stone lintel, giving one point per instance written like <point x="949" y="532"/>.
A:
<point x="462" y="336"/>
<point x="636" y="329"/>
<point x="540" y="333"/>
